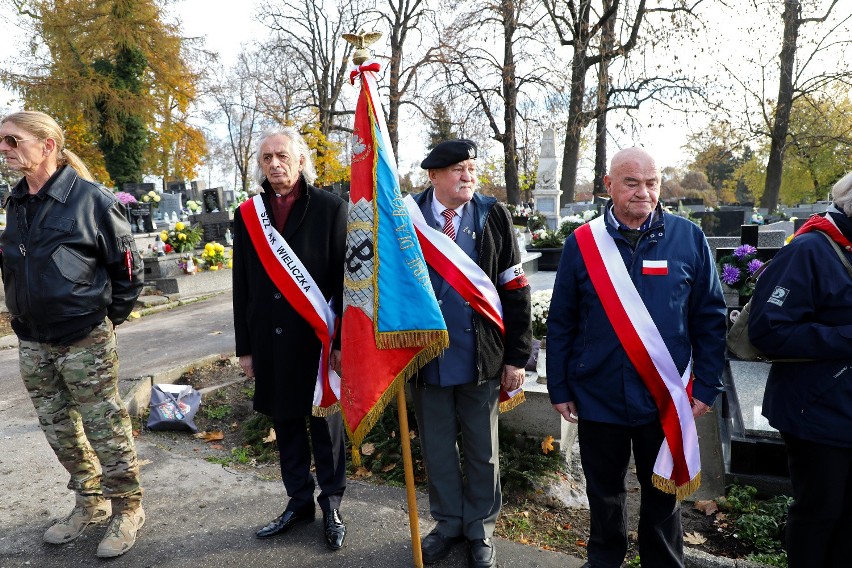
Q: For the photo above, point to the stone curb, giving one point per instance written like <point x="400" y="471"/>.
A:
<point x="694" y="558"/>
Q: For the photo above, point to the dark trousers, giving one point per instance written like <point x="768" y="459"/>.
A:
<point x="605" y="455"/>
<point x="463" y="502"/>
<point x="819" y="523"/>
<point x="326" y="438"/>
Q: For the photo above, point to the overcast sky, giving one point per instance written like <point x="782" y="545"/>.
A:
<point x="729" y="37"/>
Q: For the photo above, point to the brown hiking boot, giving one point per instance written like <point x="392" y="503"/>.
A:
<point x="87" y="510"/>
<point x="121" y="532"/>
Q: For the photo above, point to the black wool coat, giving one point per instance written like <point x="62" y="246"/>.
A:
<point x="285" y="351"/>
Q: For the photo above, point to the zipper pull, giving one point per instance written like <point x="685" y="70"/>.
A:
<point x="23" y="249"/>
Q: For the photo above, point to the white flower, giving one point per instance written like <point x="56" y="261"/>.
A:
<point x="572" y="219"/>
<point x="589" y="214"/>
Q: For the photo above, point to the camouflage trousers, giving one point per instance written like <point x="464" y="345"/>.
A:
<point x="74" y="389"/>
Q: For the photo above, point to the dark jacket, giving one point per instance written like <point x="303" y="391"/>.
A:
<point x="802" y="308"/>
<point x="586" y="363"/>
<point x="285" y="351"/>
<point x="71" y="268"/>
<point x="497" y="252"/>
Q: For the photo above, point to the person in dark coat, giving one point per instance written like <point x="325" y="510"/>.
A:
<point x="276" y="345"/>
<point x="458" y="392"/>
<point x="802" y="309"/>
<point x="592" y="375"/>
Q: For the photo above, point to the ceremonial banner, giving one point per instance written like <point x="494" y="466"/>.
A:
<point x="392" y="324"/>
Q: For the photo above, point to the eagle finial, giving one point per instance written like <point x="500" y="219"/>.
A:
<point x="361" y="41"/>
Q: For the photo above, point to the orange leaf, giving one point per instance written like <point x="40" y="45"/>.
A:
<point x="547" y="445"/>
<point x="388" y="467"/>
<point x="210" y="436"/>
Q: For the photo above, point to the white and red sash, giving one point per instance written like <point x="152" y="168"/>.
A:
<point x="677" y="469"/>
<point x="467" y="278"/>
<point x="293" y="280"/>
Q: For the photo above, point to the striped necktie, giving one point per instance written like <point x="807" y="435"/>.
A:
<point x="449" y="230"/>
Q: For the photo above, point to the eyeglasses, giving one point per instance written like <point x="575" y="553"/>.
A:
<point x="13" y="142"/>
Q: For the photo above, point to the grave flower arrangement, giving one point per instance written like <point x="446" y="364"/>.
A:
<point x="193" y="206"/>
<point x="736" y="269"/>
<point x="153" y="198"/>
<point x="182" y="238"/>
<point x="215" y="257"/>
<point x="546" y="238"/>
<point x="573" y="222"/>
<point x="540" y="310"/>
<point x="124" y="198"/>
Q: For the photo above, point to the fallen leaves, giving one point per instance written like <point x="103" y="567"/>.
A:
<point x="547" y="445"/>
<point x="271" y="437"/>
<point x="368" y="449"/>
<point x="707" y="507"/>
<point x="214" y="436"/>
<point x="694" y="538"/>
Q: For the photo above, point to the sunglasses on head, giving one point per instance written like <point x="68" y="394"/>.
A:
<point x="13" y="142"/>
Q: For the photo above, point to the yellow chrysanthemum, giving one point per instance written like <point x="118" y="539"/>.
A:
<point x="219" y="247"/>
<point x="181" y="237"/>
<point x="179" y="226"/>
<point x="164" y="236"/>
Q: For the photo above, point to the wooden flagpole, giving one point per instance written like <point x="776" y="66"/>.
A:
<point x="413" y="521"/>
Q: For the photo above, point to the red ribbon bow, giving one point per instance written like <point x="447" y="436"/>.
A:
<point x="372" y="66"/>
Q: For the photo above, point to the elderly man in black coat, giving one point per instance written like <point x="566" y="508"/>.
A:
<point x="275" y="344"/>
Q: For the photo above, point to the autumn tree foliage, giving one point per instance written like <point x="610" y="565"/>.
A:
<point x="114" y="73"/>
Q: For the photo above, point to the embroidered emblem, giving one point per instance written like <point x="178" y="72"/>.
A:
<point x="778" y="296"/>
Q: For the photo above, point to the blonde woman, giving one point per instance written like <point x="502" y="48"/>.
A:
<point x="71" y="273"/>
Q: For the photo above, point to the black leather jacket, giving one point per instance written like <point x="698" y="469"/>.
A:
<point x="76" y="264"/>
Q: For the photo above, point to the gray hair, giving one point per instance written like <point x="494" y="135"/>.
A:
<point x="841" y="194"/>
<point x="299" y="146"/>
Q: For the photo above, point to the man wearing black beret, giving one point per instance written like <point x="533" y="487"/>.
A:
<point x="459" y="391"/>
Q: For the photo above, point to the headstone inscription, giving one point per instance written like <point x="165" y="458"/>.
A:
<point x="141" y="219"/>
<point x="720" y="223"/>
<point x="214" y="226"/>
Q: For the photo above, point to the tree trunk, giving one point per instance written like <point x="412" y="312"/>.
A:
<point x="510" y="97"/>
<point x="781" y="124"/>
<point x="571" y="152"/>
<point x="607" y="43"/>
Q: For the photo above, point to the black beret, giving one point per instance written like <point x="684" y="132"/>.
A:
<point x="448" y="153"/>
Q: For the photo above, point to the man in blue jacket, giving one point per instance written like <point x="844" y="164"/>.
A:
<point x="636" y="305"/>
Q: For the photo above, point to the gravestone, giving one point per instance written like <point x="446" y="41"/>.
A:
<point x="137" y="190"/>
<point x="213" y="225"/>
<point x="229" y="197"/>
<point x="141" y="219"/>
<point x="195" y="189"/>
<point x="212" y="200"/>
<point x="171" y="203"/>
<point x="174" y="186"/>
<point x="720" y="223"/>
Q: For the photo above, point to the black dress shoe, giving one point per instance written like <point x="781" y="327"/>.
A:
<point x="335" y="530"/>
<point x="481" y="554"/>
<point x="285" y="522"/>
<point x="437" y="546"/>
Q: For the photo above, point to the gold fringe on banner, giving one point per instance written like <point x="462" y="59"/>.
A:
<point x="441" y="341"/>
<point x="680" y="492"/>
<point x="513" y="402"/>
<point x="320" y="412"/>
